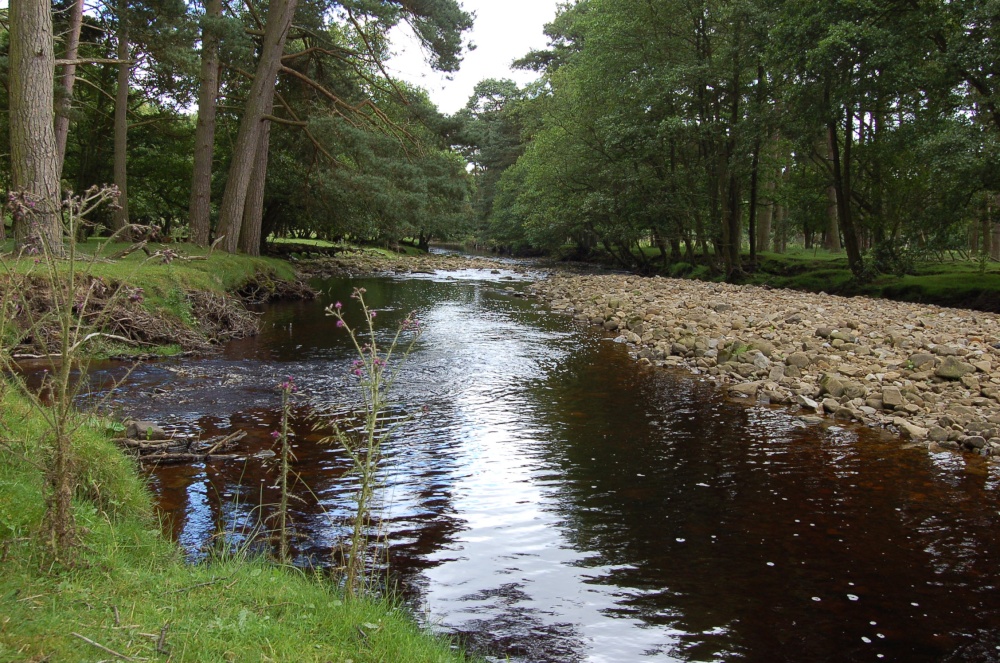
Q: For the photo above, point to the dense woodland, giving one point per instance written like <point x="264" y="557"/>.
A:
<point x="657" y="131"/>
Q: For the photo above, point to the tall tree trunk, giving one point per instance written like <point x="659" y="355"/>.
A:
<point x="831" y="236"/>
<point x="842" y="185"/>
<point x="34" y="161"/>
<point x="120" y="218"/>
<point x="245" y="151"/>
<point x="752" y="217"/>
<point x="766" y="217"/>
<point x="253" y="211"/>
<point x="68" y="80"/>
<point x="781" y="230"/>
<point x="199" y="211"/>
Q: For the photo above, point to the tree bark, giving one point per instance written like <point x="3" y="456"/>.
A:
<point x="68" y="81"/>
<point x="34" y="161"/>
<point x="253" y="212"/>
<point x="261" y="98"/>
<point x="766" y="217"/>
<point x="831" y="235"/>
<point x="842" y="186"/>
<point x="199" y="210"/>
<point x="752" y="216"/>
<point x="120" y="218"/>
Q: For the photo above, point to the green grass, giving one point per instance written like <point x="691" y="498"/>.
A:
<point x="131" y="585"/>
<point x="959" y="283"/>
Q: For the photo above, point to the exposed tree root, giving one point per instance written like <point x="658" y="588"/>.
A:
<point x="109" y="311"/>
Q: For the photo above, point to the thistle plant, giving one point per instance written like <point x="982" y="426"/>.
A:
<point x="72" y="325"/>
<point x="375" y="371"/>
<point x="285" y="457"/>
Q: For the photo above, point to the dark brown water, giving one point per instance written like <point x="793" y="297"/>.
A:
<point x="556" y="502"/>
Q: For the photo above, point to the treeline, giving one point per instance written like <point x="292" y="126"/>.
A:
<point x="229" y="122"/>
<point x="700" y="129"/>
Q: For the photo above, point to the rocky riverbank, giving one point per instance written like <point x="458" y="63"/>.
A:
<point x="930" y="373"/>
<point x="352" y="263"/>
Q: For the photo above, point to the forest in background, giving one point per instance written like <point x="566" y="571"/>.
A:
<point x="657" y="132"/>
<point x="237" y="121"/>
<point x="705" y="129"/>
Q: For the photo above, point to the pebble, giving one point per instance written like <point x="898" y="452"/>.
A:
<point x="929" y="373"/>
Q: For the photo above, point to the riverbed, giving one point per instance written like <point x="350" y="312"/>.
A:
<point x="549" y="499"/>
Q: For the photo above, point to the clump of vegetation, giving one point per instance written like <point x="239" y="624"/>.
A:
<point x="375" y="370"/>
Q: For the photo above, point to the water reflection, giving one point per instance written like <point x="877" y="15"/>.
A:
<point x="558" y="503"/>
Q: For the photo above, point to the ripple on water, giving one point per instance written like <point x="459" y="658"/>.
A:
<point x="555" y="502"/>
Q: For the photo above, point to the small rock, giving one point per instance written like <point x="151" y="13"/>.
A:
<point x="891" y="397"/>
<point x="144" y="430"/>
<point x="831" y="404"/>
<point x="914" y="431"/>
<point x="745" y="389"/>
<point x="953" y="369"/>
<point x="937" y="434"/>
<point x="973" y="442"/>
<point x="807" y="402"/>
<point x="798" y="359"/>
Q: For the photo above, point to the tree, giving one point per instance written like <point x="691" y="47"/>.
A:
<point x="34" y="159"/>
<point x="201" y="180"/>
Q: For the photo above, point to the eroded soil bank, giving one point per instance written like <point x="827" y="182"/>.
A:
<point x="930" y="373"/>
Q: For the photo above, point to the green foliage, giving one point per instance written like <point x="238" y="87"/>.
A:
<point x="665" y="123"/>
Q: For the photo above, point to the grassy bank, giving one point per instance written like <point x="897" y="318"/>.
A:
<point x="948" y="282"/>
<point x="131" y="592"/>
<point x="165" y="298"/>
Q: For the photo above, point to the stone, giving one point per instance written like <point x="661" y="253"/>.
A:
<point x="831" y="404"/>
<point x="912" y="430"/>
<point x="921" y="359"/>
<point x="937" y="434"/>
<point x="832" y="385"/>
<point x="953" y="369"/>
<point x="745" y="389"/>
<point x="144" y="430"/>
<point x="973" y="442"/>
<point x="798" y="359"/>
<point x="970" y="382"/>
<point x="891" y="397"/>
<point x="824" y="332"/>
<point x="777" y="373"/>
<point x="807" y="402"/>
<point x="844" y="413"/>
<point x="761" y="362"/>
<point x="611" y="325"/>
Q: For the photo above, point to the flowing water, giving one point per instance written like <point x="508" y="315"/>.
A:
<point x="550" y="500"/>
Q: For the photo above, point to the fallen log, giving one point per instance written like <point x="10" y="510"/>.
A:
<point x="184" y="450"/>
<point x="183" y="457"/>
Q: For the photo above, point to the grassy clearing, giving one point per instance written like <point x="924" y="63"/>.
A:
<point x="132" y="593"/>
<point x="960" y="283"/>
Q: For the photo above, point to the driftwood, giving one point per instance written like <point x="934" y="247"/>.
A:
<point x="185" y="450"/>
<point x="177" y="458"/>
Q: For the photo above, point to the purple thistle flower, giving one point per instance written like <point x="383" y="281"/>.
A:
<point x="373" y="314"/>
<point x="338" y="306"/>
<point x="275" y="434"/>
<point x="340" y="323"/>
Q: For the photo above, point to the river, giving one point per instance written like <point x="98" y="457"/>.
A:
<point x="551" y="500"/>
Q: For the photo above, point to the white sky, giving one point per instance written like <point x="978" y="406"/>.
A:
<point x="504" y="31"/>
